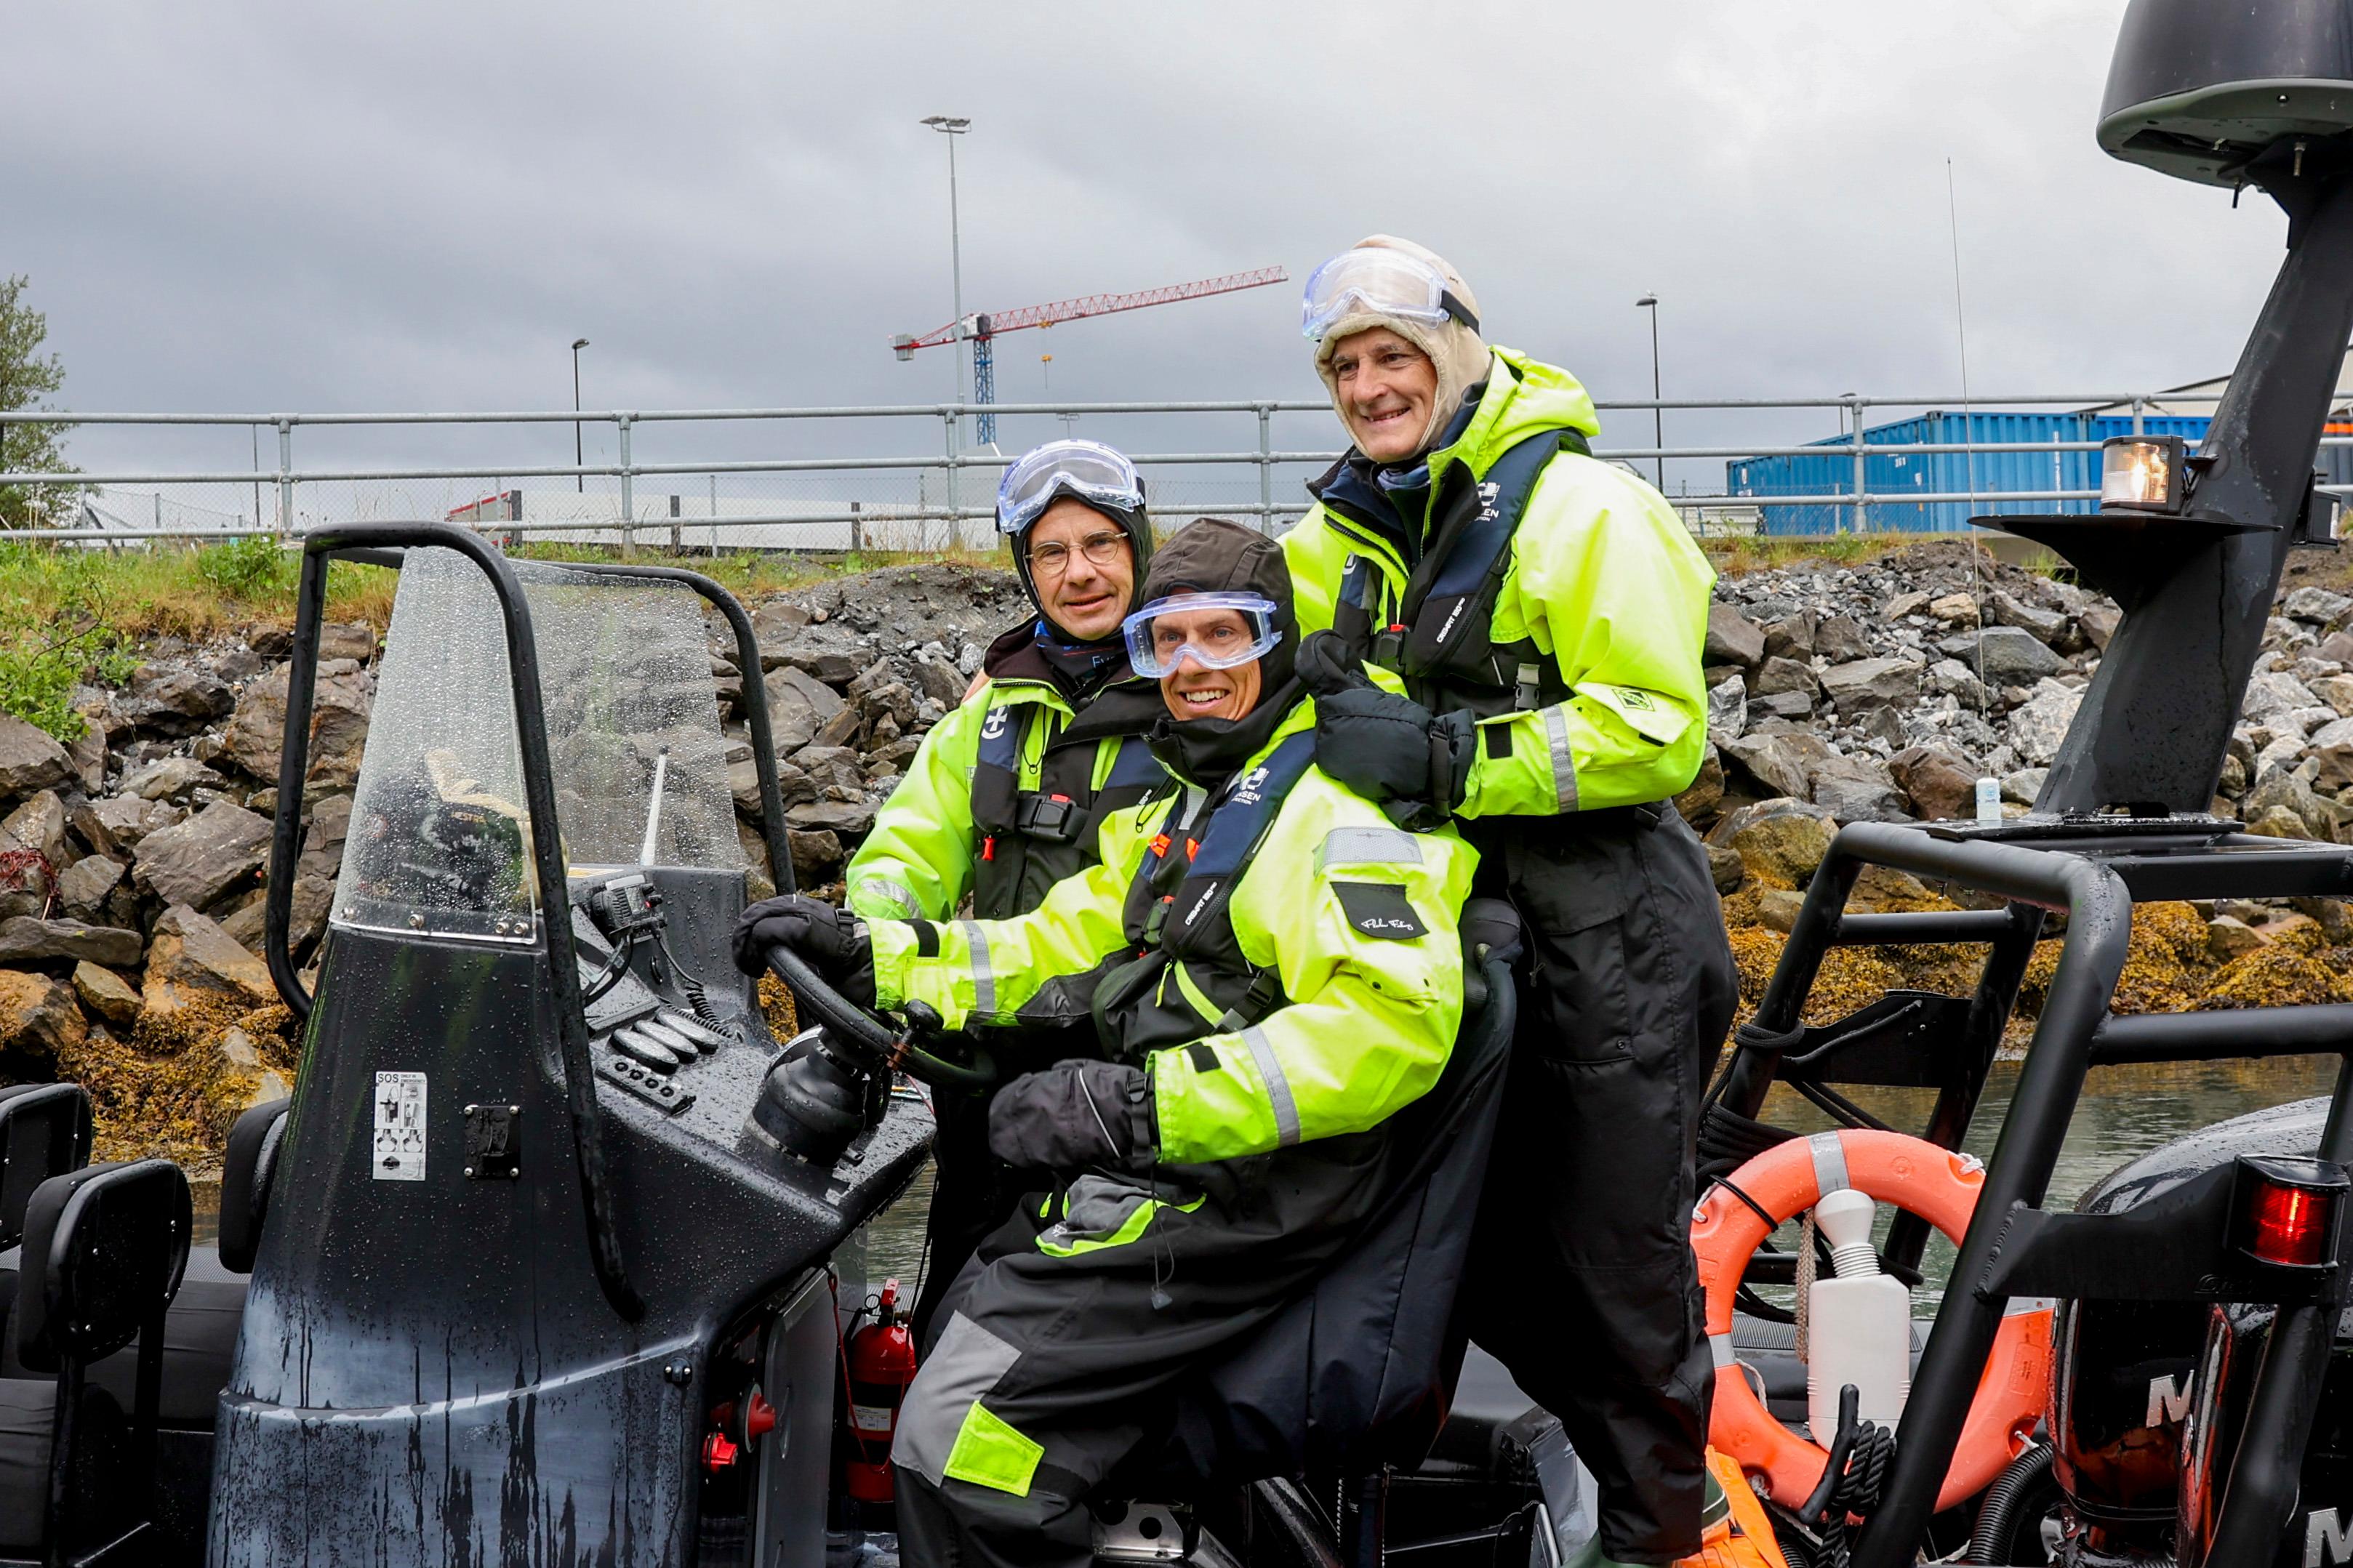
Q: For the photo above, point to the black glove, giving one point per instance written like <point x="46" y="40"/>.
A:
<point x="1073" y="1115"/>
<point x="833" y="941"/>
<point x="1414" y="764"/>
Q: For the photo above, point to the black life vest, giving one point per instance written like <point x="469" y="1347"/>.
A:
<point x="1185" y="974"/>
<point x="1033" y="838"/>
<point x="1440" y="635"/>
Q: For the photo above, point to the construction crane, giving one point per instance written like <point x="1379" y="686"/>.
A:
<point x="982" y="327"/>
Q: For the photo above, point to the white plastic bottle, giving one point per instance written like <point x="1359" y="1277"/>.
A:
<point x="1861" y="1322"/>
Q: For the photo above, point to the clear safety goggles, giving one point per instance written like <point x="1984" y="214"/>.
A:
<point x="1087" y="469"/>
<point x="1374" y="281"/>
<point x="1216" y="631"/>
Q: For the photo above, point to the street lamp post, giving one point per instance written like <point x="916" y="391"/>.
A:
<point x="1658" y="422"/>
<point x="580" y="481"/>
<point x="953" y="126"/>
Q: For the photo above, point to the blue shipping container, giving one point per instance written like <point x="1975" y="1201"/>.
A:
<point x="1991" y="475"/>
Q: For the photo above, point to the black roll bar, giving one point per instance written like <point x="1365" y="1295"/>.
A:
<point x="2075" y="1033"/>
<point x="368" y="542"/>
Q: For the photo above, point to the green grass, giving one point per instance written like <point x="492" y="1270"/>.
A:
<point x="1735" y="556"/>
<point x="76" y="614"/>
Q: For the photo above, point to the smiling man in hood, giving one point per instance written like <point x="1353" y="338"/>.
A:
<point x="1535" y="618"/>
<point x="1275" y="976"/>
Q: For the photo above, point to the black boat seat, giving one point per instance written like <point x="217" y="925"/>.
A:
<point x="247" y="1166"/>
<point x="199" y="1342"/>
<point x="101" y="1446"/>
<point x="1358" y="1372"/>
<point x="103" y="1253"/>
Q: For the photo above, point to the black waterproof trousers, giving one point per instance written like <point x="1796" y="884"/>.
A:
<point x="1063" y="1344"/>
<point x="1581" y="1280"/>
<point x="973" y="1191"/>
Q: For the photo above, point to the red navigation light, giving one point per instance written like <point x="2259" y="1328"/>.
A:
<point x="719" y="1452"/>
<point x="2288" y="1214"/>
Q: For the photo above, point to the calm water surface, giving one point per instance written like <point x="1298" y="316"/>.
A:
<point x="2125" y="1111"/>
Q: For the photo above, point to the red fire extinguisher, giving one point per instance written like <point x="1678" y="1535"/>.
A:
<point x="882" y="1357"/>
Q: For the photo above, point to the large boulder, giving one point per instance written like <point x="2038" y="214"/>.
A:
<point x="1782" y="763"/>
<point x="2012" y="656"/>
<point x="106" y="993"/>
<point x="2039" y="723"/>
<point x="115" y="825"/>
<point x="2045" y="625"/>
<point x="192" y="959"/>
<point x="2317" y="606"/>
<point x="1733" y="638"/>
<point x="2274" y="691"/>
<point x="839" y="818"/>
<point x="306" y="920"/>
<point x="1776" y="676"/>
<point x="1858" y="789"/>
<point x="1839" y="639"/>
<point x="84" y="887"/>
<point x="340" y="707"/>
<point x="1727" y="708"/>
<point x="170" y="778"/>
<point x="834" y="657"/>
<point x="1781" y="842"/>
<point x="1866" y="683"/>
<point x="27" y="938"/>
<point x="1697" y="801"/>
<point x="1941" y="786"/>
<point x="799" y="704"/>
<point x="30" y="758"/>
<point x="38" y="1014"/>
<point x="354" y="640"/>
<point x="210" y="853"/>
<point x="175" y="698"/>
<point x="40" y="826"/>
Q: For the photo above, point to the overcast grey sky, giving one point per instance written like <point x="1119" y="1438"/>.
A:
<point x="259" y="204"/>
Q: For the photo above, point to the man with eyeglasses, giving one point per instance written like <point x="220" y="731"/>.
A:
<point x="1543" y="616"/>
<point x="1005" y="797"/>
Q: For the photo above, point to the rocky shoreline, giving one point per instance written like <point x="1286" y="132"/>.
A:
<point x="131" y="859"/>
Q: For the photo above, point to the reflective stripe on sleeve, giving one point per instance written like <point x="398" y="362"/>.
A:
<point x="1564" y="765"/>
<point x="1278" y="1088"/>
<point x="898" y="893"/>
<point x="983" y="978"/>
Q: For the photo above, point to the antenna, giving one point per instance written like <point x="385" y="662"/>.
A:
<point x="653" y="807"/>
<point x="1967" y="424"/>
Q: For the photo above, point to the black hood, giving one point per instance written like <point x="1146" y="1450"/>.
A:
<point x="1210" y="556"/>
<point x="1135" y="524"/>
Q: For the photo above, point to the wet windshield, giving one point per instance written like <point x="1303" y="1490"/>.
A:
<point x="438" y="840"/>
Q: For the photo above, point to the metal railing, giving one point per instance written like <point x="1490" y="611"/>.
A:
<point x="877" y="519"/>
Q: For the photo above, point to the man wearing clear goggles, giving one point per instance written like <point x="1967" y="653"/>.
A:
<point x="1277" y="973"/>
<point x="1535" y="619"/>
<point x="1006" y="795"/>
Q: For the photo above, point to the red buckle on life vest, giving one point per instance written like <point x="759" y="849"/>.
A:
<point x="1192" y="847"/>
<point x="1160" y="846"/>
<point x="988" y="847"/>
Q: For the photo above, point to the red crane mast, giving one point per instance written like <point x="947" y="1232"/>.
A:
<point x="985" y="326"/>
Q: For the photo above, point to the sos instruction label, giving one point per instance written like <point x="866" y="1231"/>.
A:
<point x="400" y="1144"/>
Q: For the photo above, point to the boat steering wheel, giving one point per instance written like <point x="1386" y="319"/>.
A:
<point x="873" y="1037"/>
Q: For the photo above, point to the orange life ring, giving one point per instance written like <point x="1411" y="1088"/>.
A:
<point x="1920" y="1178"/>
